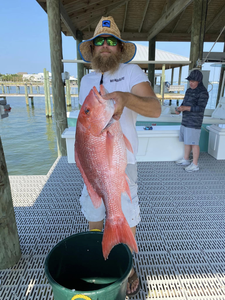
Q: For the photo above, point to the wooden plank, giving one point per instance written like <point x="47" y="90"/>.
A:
<point x="125" y="17"/>
<point x="217" y="16"/>
<point x="108" y="11"/>
<point x="168" y="16"/>
<point x="67" y="22"/>
<point x="174" y="88"/>
<point x="144" y="14"/>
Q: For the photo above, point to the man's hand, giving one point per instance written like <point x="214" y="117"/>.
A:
<point x="120" y="100"/>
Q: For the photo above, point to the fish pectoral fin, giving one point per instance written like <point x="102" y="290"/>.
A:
<point x="109" y="147"/>
<point x="95" y="198"/>
<point x="128" y="144"/>
<point x="116" y="232"/>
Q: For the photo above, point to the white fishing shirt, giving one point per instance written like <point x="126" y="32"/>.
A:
<point x="122" y="80"/>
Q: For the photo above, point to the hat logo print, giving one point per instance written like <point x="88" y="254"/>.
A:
<point x="106" y="23"/>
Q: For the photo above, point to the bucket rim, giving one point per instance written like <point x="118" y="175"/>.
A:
<point x="54" y="283"/>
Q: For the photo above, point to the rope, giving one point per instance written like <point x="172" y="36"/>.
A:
<point x="213" y="45"/>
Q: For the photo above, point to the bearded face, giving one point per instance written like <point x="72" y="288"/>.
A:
<point x="105" y="59"/>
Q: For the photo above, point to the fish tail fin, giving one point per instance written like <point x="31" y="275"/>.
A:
<point x="117" y="232"/>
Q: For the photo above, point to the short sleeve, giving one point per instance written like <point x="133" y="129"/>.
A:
<point x="137" y="76"/>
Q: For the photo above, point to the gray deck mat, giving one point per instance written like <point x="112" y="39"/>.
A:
<point x="180" y="238"/>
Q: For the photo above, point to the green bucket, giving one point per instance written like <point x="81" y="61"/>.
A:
<point x="76" y="269"/>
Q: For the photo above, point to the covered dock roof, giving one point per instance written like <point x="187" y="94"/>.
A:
<point x="166" y="20"/>
<point x="160" y="56"/>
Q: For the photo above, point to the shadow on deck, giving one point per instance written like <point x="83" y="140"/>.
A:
<point x="180" y="238"/>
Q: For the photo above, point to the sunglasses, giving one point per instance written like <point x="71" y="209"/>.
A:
<point x="110" y="40"/>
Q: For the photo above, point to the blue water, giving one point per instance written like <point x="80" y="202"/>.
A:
<point x="29" y="138"/>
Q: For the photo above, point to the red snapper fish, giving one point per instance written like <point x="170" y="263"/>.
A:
<point x="100" y="155"/>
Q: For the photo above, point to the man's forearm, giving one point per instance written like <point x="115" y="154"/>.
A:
<point x="145" y="106"/>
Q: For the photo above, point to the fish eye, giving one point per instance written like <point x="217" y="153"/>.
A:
<point x="87" y="111"/>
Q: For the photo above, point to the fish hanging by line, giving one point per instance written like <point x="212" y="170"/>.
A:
<point x="100" y="155"/>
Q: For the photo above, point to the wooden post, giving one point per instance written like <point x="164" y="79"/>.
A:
<point x="163" y="82"/>
<point x="179" y="78"/>
<point x="80" y="67"/>
<point x="46" y="93"/>
<point x="172" y="74"/>
<point x="3" y="91"/>
<point x="68" y="95"/>
<point x="54" y="23"/>
<point x="26" y="94"/>
<point x="151" y="56"/>
<point x="9" y="241"/>
<point x="197" y="32"/>
<point x="31" y="98"/>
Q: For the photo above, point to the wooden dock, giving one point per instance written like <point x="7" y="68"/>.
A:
<point x="28" y="91"/>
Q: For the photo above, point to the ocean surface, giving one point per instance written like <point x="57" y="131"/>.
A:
<point x="29" y="138"/>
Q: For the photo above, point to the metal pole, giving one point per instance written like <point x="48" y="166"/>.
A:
<point x="151" y="56"/>
<point x="163" y="82"/>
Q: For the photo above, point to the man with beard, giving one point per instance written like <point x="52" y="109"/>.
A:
<point x="131" y="91"/>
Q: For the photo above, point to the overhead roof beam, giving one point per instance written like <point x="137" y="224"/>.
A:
<point x="67" y="22"/>
<point x="80" y="5"/>
<point x="181" y="15"/>
<point x="113" y="7"/>
<point x="125" y="17"/>
<point x="221" y="12"/>
<point x="176" y="8"/>
<point x="144" y="14"/>
<point x="90" y="12"/>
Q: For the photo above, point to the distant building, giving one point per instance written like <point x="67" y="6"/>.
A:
<point x="36" y="77"/>
<point x="21" y="73"/>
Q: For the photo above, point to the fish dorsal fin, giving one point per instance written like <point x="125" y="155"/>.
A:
<point x="103" y="90"/>
<point x="128" y="144"/>
<point x="126" y="186"/>
<point x="109" y="147"/>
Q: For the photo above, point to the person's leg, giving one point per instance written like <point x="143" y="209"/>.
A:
<point x="187" y="151"/>
<point x="96" y="225"/>
<point x="132" y="287"/>
<point x="196" y="152"/>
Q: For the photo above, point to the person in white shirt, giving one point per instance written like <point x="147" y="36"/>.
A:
<point x="131" y="91"/>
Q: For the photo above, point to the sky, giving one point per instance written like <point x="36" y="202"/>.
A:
<point x="24" y="42"/>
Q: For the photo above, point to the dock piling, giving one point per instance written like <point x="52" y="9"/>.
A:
<point x="26" y="95"/>
<point x="9" y="240"/>
<point x="68" y="94"/>
<point x="48" y="96"/>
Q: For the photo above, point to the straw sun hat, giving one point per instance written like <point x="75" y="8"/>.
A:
<point x="108" y="26"/>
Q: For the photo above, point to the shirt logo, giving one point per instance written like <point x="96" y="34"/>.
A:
<point x="106" y="23"/>
<point x="117" y="80"/>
